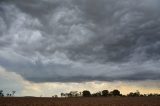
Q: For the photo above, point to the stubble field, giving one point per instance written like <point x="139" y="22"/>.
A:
<point x="108" y="101"/>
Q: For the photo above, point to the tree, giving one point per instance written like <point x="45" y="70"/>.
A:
<point x="74" y="93"/>
<point x="55" y="96"/>
<point x="13" y="92"/>
<point x="115" y="92"/>
<point x="1" y="93"/>
<point x="80" y="93"/>
<point x="70" y="95"/>
<point x="62" y="95"/>
<point x="8" y="94"/>
<point x="135" y="94"/>
<point x="105" y="93"/>
<point x="97" y="94"/>
<point x="86" y="93"/>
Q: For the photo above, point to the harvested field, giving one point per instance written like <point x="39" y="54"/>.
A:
<point x="108" y="101"/>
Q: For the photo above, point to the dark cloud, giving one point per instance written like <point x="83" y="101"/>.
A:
<point x="80" y="40"/>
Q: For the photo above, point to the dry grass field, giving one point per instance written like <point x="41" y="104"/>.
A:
<point x="108" y="101"/>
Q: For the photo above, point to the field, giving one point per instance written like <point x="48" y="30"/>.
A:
<point x="108" y="101"/>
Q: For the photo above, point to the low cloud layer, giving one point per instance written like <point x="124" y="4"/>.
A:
<point x="81" y="40"/>
<point x="11" y="81"/>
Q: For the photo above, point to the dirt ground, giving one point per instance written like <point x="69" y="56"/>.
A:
<point x="92" y="101"/>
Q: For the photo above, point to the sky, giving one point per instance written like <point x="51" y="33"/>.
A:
<point x="53" y="46"/>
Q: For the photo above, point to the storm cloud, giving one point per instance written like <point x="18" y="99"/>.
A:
<point x="81" y="40"/>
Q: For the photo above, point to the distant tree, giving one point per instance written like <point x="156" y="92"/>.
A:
<point x="105" y="93"/>
<point x="73" y="93"/>
<point x="80" y="93"/>
<point x="62" y="95"/>
<point x="115" y="92"/>
<point x="1" y="93"/>
<point x="144" y="95"/>
<point x="94" y="95"/>
<point x="134" y="94"/>
<point x="13" y="92"/>
<point x="8" y="94"/>
<point x="69" y="95"/>
<point x="55" y="96"/>
<point x="97" y="94"/>
<point x="150" y="94"/>
<point x="86" y="93"/>
<point x="153" y="94"/>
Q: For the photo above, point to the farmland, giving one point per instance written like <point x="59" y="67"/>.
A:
<point x="93" y="101"/>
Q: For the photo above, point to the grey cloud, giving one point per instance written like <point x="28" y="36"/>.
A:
<point x="52" y="40"/>
<point x="126" y="24"/>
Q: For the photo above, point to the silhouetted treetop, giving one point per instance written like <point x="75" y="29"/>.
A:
<point x="105" y="93"/>
<point x="86" y="93"/>
<point x="115" y="92"/>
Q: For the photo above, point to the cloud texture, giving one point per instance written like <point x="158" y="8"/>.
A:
<point x="80" y="40"/>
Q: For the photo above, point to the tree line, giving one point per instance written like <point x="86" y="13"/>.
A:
<point x="87" y="93"/>
<point x="104" y="93"/>
<point x="8" y="94"/>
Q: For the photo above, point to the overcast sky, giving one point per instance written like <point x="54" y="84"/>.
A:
<point x="80" y="41"/>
